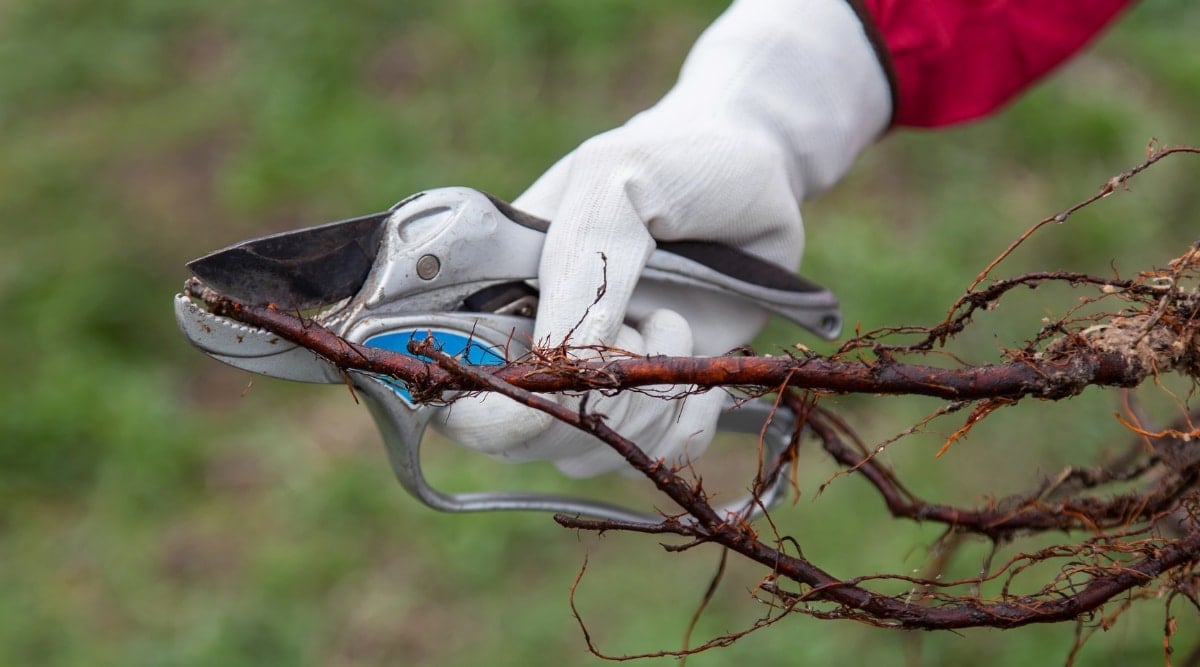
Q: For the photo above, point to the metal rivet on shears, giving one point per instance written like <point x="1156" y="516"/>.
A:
<point x="428" y="267"/>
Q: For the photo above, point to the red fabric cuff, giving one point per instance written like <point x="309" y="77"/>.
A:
<point x="956" y="60"/>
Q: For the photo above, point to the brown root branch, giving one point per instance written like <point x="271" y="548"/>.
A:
<point x="1134" y="523"/>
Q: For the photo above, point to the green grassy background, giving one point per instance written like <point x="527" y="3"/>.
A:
<point x="157" y="508"/>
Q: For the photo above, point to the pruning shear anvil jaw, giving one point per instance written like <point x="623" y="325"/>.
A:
<point x="458" y="266"/>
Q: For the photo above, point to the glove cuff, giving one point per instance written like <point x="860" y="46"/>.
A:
<point x="801" y="72"/>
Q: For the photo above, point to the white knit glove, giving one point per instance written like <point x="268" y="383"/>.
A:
<point x="773" y="104"/>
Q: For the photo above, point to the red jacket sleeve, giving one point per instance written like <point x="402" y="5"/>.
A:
<point x="955" y="60"/>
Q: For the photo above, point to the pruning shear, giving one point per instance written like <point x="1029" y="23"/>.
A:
<point x="459" y="266"/>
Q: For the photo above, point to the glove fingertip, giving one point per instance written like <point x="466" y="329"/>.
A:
<point x="666" y="332"/>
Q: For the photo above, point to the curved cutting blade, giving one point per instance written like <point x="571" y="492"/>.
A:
<point x="303" y="269"/>
<point x="249" y="348"/>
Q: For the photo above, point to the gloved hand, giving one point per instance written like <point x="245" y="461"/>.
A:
<point x="774" y="102"/>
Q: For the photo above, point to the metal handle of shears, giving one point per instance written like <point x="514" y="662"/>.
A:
<point x="488" y="338"/>
<point x="403" y="432"/>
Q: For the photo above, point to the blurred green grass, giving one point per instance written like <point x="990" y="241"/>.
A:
<point x="158" y="509"/>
